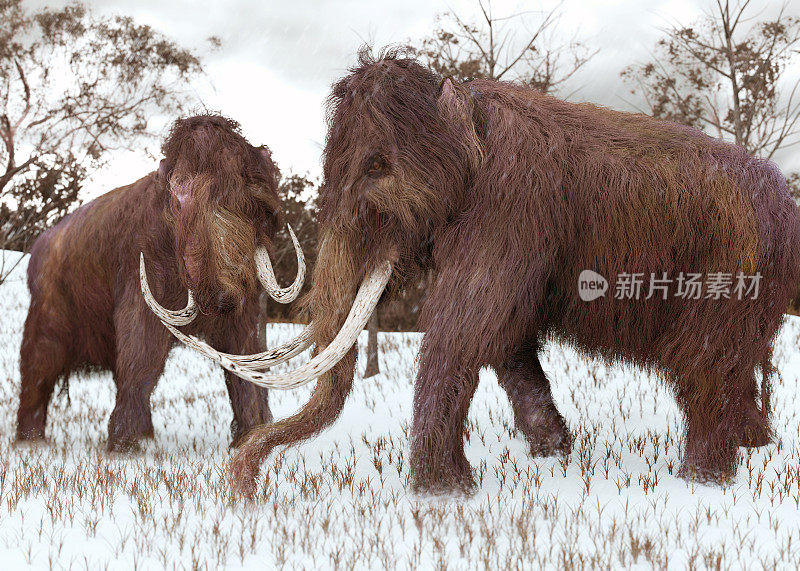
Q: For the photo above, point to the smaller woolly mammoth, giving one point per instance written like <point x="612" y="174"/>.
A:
<point x="203" y="223"/>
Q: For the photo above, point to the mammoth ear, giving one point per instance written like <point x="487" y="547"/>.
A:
<point x="457" y="108"/>
<point x="266" y="156"/>
<point x="265" y="153"/>
<point x="163" y="171"/>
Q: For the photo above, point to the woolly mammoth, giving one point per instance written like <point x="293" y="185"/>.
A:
<point x="201" y="221"/>
<point x="509" y="195"/>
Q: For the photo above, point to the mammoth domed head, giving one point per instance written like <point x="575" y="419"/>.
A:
<point x="223" y="205"/>
<point x="401" y="147"/>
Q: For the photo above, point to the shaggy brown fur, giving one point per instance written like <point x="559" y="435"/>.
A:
<point x="509" y="194"/>
<point x="198" y="221"/>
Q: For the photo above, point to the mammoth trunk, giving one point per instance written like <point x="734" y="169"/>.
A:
<point x="342" y="301"/>
<point x="336" y="281"/>
<point x="337" y="278"/>
<point x="215" y="244"/>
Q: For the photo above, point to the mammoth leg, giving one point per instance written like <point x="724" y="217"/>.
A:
<point x="753" y="423"/>
<point x="142" y="348"/>
<point x="712" y="437"/>
<point x="442" y="395"/>
<point x="42" y="361"/>
<point x="535" y="413"/>
<point x="319" y="412"/>
<point x="249" y="402"/>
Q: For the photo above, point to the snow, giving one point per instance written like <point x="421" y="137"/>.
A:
<point x="342" y="499"/>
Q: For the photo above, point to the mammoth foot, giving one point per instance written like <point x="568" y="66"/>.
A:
<point x="124" y="445"/>
<point x="119" y="441"/>
<point x="439" y="477"/>
<point x="753" y="430"/>
<point x="30" y="433"/>
<point x="443" y="484"/>
<point x="546" y="432"/>
<point x="127" y="428"/>
<point x="710" y="462"/>
<point x="706" y="474"/>
<point x="755" y="436"/>
<point x="31" y="424"/>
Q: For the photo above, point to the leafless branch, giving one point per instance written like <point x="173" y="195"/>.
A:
<point x="27" y="90"/>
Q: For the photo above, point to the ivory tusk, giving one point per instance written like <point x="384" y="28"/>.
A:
<point x="266" y="275"/>
<point x="167" y="316"/>
<point x="364" y="304"/>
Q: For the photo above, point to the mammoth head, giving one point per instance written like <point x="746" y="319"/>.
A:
<point x="224" y="209"/>
<point x="402" y="145"/>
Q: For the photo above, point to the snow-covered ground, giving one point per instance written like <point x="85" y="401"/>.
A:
<point x="341" y="500"/>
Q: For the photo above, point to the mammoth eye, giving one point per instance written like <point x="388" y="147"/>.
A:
<point x="376" y="166"/>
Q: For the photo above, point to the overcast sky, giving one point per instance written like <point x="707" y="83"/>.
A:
<point x="279" y="58"/>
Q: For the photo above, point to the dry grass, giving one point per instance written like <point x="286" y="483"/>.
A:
<point x="341" y="500"/>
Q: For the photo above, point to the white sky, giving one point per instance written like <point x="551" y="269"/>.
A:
<point x="279" y="58"/>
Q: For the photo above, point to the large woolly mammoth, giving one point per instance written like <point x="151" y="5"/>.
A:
<point x="509" y="195"/>
<point x="201" y="222"/>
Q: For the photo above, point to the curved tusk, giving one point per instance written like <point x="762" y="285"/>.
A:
<point x="167" y="316"/>
<point x="266" y="275"/>
<point x="252" y="362"/>
<point x="364" y="304"/>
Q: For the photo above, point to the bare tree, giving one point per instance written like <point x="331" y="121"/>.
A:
<point x="794" y="186"/>
<point x="73" y="88"/>
<point x="522" y="46"/>
<point x="724" y="74"/>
